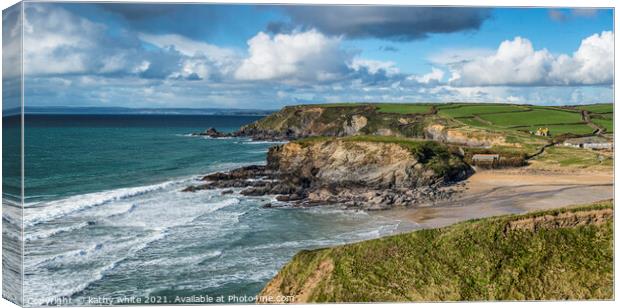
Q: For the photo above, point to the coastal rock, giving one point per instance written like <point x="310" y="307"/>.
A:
<point x="354" y="125"/>
<point x="213" y="133"/>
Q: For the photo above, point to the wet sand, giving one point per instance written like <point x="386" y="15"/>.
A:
<point x="499" y="192"/>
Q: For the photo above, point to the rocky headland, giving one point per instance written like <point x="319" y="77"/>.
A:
<point x="364" y="172"/>
<point x="298" y="122"/>
<point x="354" y="155"/>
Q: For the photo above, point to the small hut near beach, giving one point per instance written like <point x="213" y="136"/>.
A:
<point x="485" y="160"/>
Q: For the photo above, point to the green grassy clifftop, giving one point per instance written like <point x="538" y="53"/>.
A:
<point x="558" y="254"/>
<point x="295" y="122"/>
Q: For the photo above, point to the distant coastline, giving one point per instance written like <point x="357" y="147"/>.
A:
<point x="137" y="111"/>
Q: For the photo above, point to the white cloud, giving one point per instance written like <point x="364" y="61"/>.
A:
<point x="46" y="31"/>
<point x="201" y="58"/>
<point x="436" y="75"/>
<point x="516" y="62"/>
<point x="185" y="45"/>
<point x="592" y="63"/>
<point x="11" y="42"/>
<point x="59" y="42"/>
<point x="299" y="56"/>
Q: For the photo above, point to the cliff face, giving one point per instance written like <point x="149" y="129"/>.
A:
<point x="551" y="255"/>
<point x="307" y="121"/>
<point x="368" y="172"/>
<point x="371" y="164"/>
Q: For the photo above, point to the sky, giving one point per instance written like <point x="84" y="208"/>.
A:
<point x="265" y="56"/>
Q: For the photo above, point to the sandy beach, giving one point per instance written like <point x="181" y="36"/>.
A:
<point x="498" y="192"/>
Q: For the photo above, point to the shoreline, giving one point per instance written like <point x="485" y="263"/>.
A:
<point x="512" y="191"/>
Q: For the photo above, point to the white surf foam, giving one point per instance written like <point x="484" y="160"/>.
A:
<point x="39" y="291"/>
<point x="45" y="233"/>
<point x="38" y="212"/>
<point x="179" y="261"/>
<point x="263" y="142"/>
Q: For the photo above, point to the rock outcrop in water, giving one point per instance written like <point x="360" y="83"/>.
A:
<point x="213" y="133"/>
<point x="368" y="174"/>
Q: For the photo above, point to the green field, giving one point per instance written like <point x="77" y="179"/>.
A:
<point x="465" y="110"/>
<point x="597" y="108"/>
<point x="534" y="117"/>
<point x="520" y="118"/>
<point x="609" y="116"/>
<point x="606" y="123"/>
<point x="404" y="108"/>
<point x="515" y="257"/>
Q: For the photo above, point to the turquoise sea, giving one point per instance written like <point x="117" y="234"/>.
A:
<point x="105" y="218"/>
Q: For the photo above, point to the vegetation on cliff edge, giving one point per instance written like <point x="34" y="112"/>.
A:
<point x="565" y="253"/>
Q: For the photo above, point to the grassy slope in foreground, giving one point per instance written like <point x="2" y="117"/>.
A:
<point x="558" y="254"/>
